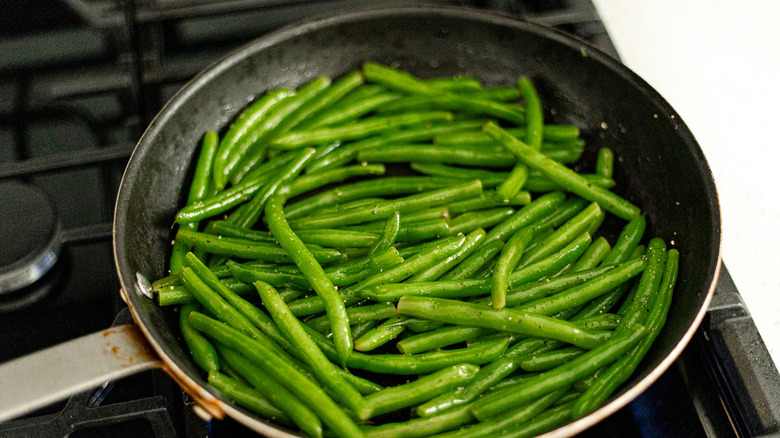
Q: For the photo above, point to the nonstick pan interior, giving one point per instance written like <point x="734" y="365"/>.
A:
<point x="659" y="166"/>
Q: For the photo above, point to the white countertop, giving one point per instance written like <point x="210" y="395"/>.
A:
<point x="718" y="63"/>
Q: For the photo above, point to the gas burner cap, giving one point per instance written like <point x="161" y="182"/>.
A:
<point x="30" y="234"/>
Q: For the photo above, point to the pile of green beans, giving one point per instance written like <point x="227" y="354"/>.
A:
<point x="321" y="290"/>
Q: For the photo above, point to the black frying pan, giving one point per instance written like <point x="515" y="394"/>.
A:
<point x="660" y="167"/>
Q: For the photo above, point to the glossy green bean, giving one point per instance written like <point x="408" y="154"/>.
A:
<point x="553" y="133"/>
<point x="531" y="324"/>
<point x="593" y="255"/>
<point x="252" y="210"/>
<point x="278" y="120"/>
<point x="314" y="181"/>
<point x="464" y="155"/>
<point x="470" y="245"/>
<point x="607" y="382"/>
<point x="247" y="249"/>
<point x="324" y="99"/>
<point x="563" y="175"/>
<point x="428" y="199"/>
<point x="587" y="291"/>
<point x="564" y="234"/>
<point x="301" y="386"/>
<point x="468" y="222"/>
<point x="201" y="350"/>
<point x="647" y="288"/>
<point x="420" y="427"/>
<point x="472" y="104"/>
<point x="357" y="130"/>
<point x="488" y="201"/>
<point x="527" y="215"/>
<point x="508" y="421"/>
<point x="275" y="392"/>
<point x="506" y="263"/>
<point x="357" y="315"/>
<point x="420" y="390"/>
<point x="323" y="369"/>
<point x="391" y="186"/>
<point x="442" y="337"/>
<point x="309" y="266"/>
<point x="412" y="232"/>
<point x="389" y="233"/>
<point x="560" y="377"/>
<point x="199" y="189"/>
<point x="456" y="84"/>
<point x="550" y="359"/>
<point x="220" y="202"/>
<point x="231" y="144"/>
<point x="248" y="397"/>
<point x="350" y="110"/>
<point x="396" y="80"/>
<point x="350" y="151"/>
<point x="472" y="264"/>
<point x="605" y="162"/>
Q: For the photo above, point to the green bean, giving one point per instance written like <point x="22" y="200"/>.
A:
<point x="249" y="398"/>
<point x="239" y="137"/>
<point x="420" y="427"/>
<point x="357" y="315"/>
<point x="301" y="386"/>
<point x="220" y="202"/>
<point x="468" y="222"/>
<point x="563" y="175"/>
<point x="350" y="151"/>
<point x="351" y="110"/>
<point x="428" y="199"/>
<point x="461" y="288"/>
<point x="489" y="178"/>
<point x="309" y="266"/>
<point x="335" y="238"/>
<point x="585" y="292"/>
<point x="250" y="250"/>
<point x="420" y="390"/>
<point x="500" y="94"/>
<point x="442" y="337"/>
<point x="565" y="211"/>
<point x="470" y="245"/>
<point x="254" y="209"/>
<point x="464" y="155"/>
<point x="275" y="392"/>
<point x="359" y="330"/>
<point x="458" y="102"/>
<point x="203" y="353"/>
<point x="564" y="234"/>
<point x="381" y="334"/>
<point x="323" y="369"/>
<point x="542" y="423"/>
<point x="357" y="130"/>
<point x="605" y="162"/>
<point x="199" y="189"/>
<point x="308" y="183"/>
<point x="414" y="231"/>
<point x="513" y="182"/>
<point x="389" y="233"/>
<point x="507" y="261"/>
<point x="527" y="215"/>
<point x="226" y="229"/>
<point x="560" y="377"/>
<point x="472" y="264"/>
<point x="416" y="364"/>
<point x="363" y="189"/>
<point x="554" y="133"/>
<point x="455" y="84"/>
<point x="396" y="80"/>
<point x="608" y="381"/>
<point x="507" y="422"/>
<point x="550" y="359"/>
<point x="325" y="99"/>
<point x="628" y="300"/>
<point x="537" y="182"/>
<point x="487" y="201"/>
<point x="264" y="170"/>
<point x="278" y="120"/>
<point x="532" y="324"/>
<point x="592" y="256"/>
<point x="648" y="286"/>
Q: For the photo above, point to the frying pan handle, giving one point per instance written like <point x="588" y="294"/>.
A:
<point x="50" y="375"/>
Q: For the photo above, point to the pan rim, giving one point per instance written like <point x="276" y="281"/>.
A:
<point x="235" y="56"/>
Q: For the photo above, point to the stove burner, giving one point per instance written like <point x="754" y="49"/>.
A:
<point x="29" y="223"/>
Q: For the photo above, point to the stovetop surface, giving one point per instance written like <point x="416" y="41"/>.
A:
<point x="82" y="78"/>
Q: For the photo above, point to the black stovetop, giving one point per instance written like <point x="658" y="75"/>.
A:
<point x="79" y="81"/>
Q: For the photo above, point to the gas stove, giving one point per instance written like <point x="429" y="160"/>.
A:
<point x="80" y="81"/>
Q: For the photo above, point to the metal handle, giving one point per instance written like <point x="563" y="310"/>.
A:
<point x="50" y="375"/>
